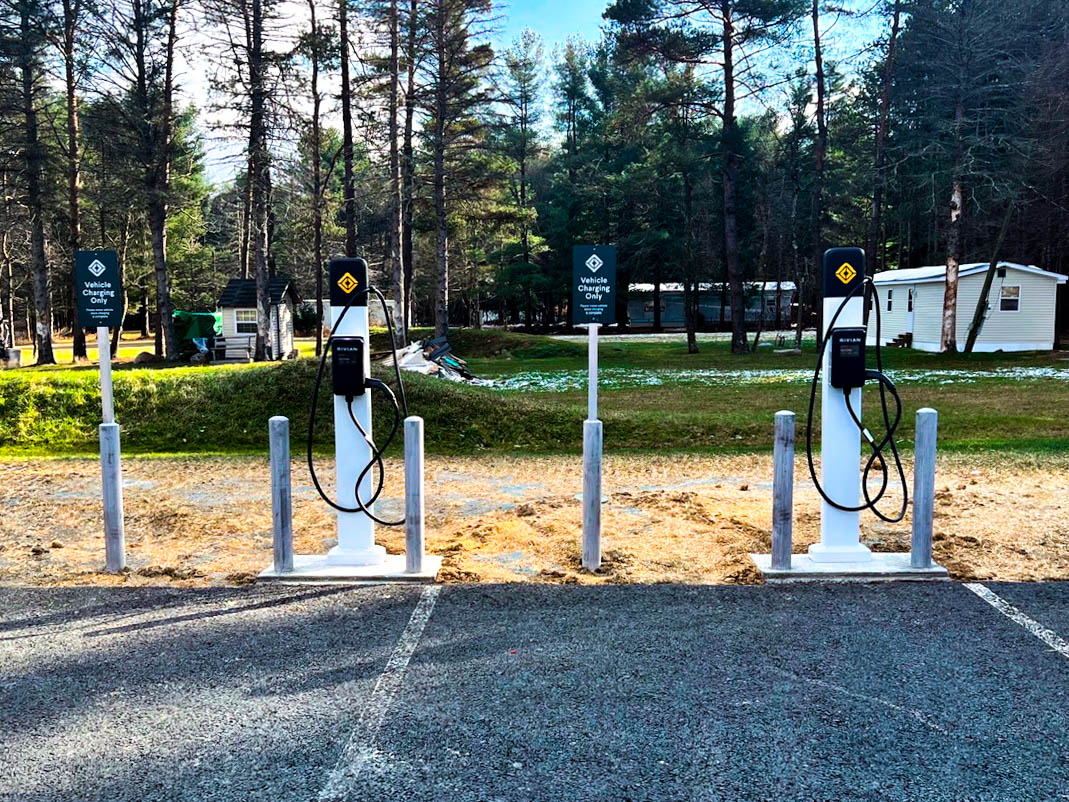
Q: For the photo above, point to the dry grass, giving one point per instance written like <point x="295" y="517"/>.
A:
<point x="500" y="519"/>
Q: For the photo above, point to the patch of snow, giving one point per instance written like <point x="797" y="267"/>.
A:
<point x="621" y="378"/>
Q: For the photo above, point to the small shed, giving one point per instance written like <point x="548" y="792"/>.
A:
<point x="1020" y="314"/>
<point x="237" y="306"/>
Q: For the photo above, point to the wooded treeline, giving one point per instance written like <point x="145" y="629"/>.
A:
<point x="712" y="141"/>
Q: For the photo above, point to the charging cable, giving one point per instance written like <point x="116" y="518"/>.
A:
<point x="400" y="410"/>
<point x="890" y="423"/>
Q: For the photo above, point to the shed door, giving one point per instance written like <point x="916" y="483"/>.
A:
<point x="909" y="310"/>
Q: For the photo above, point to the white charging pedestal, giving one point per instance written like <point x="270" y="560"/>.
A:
<point x="840" y="555"/>
<point x="840" y="440"/>
<point x="356" y="531"/>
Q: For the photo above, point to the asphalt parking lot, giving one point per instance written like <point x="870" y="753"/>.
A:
<point x="525" y="692"/>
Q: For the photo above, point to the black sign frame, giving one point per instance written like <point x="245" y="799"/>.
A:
<point x="98" y="289"/>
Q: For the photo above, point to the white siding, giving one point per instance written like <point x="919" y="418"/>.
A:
<point x="229" y="326"/>
<point x="272" y="328"/>
<point x="928" y="313"/>
<point x="237" y="345"/>
<point x="286" y="310"/>
<point x="892" y="323"/>
<point x="1029" y="329"/>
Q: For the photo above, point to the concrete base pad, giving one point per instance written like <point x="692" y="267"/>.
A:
<point x="313" y="568"/>
<point x="883" y="566"/>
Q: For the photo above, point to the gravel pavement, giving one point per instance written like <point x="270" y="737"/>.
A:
<point x="533" y="692"/>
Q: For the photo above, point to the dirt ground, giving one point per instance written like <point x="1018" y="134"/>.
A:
<point x="676" y="518"/>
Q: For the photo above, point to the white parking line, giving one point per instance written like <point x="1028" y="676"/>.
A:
<point x="360" y="747"/>
<point x="1048" y="636"/>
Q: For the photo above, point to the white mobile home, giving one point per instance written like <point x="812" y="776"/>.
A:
<point x="237" y="306"/>
<point x="1020" y="314"/>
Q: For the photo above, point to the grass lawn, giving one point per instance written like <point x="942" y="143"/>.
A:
<point x="224" y="409"/>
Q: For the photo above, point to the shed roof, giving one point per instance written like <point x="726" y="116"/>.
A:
<point x="937" y="273"/>
<point x="240" y="293"/>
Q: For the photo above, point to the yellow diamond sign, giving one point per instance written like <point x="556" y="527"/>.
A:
<point x="845" y="273"/>
<point x="348" y="283"/>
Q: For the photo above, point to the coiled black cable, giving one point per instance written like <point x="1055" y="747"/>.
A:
<point x="876" y="458"/>
<point x="400" y="410"/>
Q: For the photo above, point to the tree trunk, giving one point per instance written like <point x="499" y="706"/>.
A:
<point x="7" y="286"/>
<point x="157" y="214"/>
<point x="396" y="200"/>
<point x="258" y="176"/>
<point x="146" y="331"/>
<point x="992" y="267"/>
<point x="317" y="178"/>
<point x="349" y="190"/>
<point x="7" y="317"/>
<point x="657" y="297"/>
<point x="246" y="218"/>
<point x="820" y="148"/>
<point x="409" y="182"/>
<point x="124" y="238"/>
<point x="948" y="339"/>
<point x="70" y="25"/>
<point x="441" y="304"/>
<point x="33" y="163"/>
<point x="882" y="125"/>
<point x="730" y="170"/>
<point x="690" y="322"/>
<point x="158" y="176"/>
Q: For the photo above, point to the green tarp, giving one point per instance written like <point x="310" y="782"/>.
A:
<point x="197" y="324"/>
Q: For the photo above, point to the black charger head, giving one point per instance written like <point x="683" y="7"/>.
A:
<point x="847" y="358"/>
<point x="347" y="366"/>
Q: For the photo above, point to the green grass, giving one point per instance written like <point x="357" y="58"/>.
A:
<point x="224" y="409"/>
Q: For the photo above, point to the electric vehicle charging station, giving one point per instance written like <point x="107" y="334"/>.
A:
<point x="841" y="380"/>
<point x="356" y="555"/>
<point x="844" y="487"/>
<point x="350" y="367"/>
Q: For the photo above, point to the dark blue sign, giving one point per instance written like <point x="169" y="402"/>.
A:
<point x="593" y="284"/>
<point x="98" y="288"/>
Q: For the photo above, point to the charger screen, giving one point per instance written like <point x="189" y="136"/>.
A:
<point x="850" y="349"/>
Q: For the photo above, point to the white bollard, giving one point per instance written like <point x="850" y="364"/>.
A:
<point x="927" y="428"/>
<point x="111" y="482"/>
<point x="281" y="493"/>
<point x="783" y="491"/>
<point x="414" y="532"/>
<point x="592" y="448"/>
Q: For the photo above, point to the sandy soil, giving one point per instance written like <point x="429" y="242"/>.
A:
<point x="502" y="519"/>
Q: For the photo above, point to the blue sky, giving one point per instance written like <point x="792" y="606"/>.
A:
<point x="554" y="20"/>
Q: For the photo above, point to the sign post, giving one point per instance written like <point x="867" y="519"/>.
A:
<point x="98" y="288"/>
<point x="593" y="305"/>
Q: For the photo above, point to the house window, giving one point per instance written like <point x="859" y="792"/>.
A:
<point x="909" y="301"/>
<point x="890" y="300"/>
<point x="1009" y="299"/>
<point x="245" y="321"/>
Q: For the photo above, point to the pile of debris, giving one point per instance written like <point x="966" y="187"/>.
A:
<point x="434" y="357"/>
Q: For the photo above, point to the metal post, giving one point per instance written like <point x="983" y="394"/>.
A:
<point x="107" y="397"/>
<point x="592" y="372"/>
<point x="592" y="495"/>
<point x="111" y="483"/>
<point x="281" y="493"/>
<point x="920" y="550"/>
<point x="783" y="491"/>
<point x="414" y="533"/>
